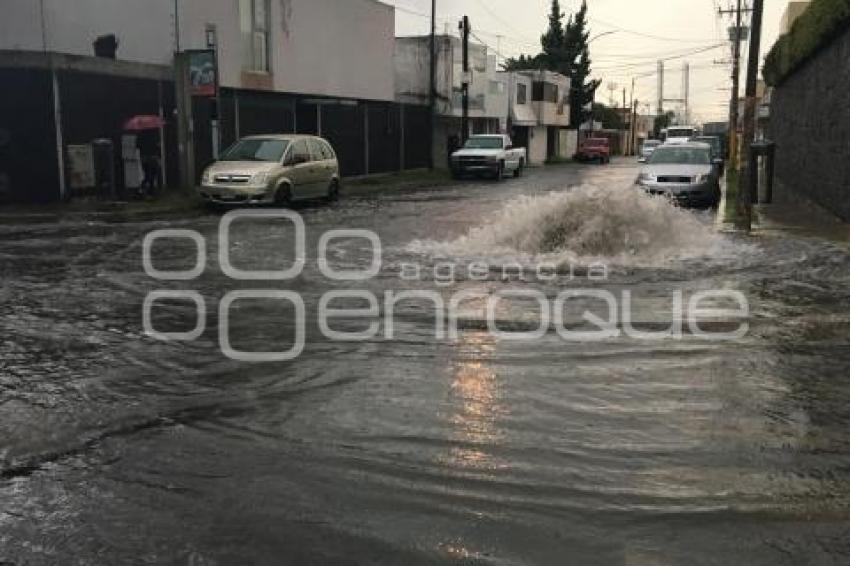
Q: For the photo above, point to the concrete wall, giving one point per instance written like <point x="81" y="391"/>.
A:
<point x="144" y="28"/>
<point x="537" y="145"/>
<point x="810" y="122"/>
<point x="322" y="47"/>
<point x="568" y="144"/>
<point x="412" y="71"/>
<point x="488" y="92"/>
<point x="335" y="48"/>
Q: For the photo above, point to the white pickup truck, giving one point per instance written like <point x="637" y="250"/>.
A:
<point x="491" y="154"/>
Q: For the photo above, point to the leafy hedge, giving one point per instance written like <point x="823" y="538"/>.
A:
<point x="822" y="22"/>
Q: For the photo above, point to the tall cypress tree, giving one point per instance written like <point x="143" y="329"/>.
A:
<point x="565" y="51"/>
<point x="553" y="56"/>
<point x="577" y="51"/>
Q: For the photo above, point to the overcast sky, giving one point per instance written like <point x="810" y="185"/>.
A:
<point x="646" y="30"/>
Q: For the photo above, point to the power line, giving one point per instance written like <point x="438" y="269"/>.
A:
<point x="495" y="16"/>
<point x="647" y="35"/>
<point x="668" y="58"/>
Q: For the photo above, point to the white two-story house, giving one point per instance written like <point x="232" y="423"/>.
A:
<point x="539" y="113"/>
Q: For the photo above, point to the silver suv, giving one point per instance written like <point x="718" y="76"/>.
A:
<point x="273" y="169"/>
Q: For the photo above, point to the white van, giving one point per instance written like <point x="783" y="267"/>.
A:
<point x="680" y="134"/>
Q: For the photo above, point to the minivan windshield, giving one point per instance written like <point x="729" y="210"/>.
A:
<point x="484" y="143"/>
<point x="673" y="155"/>
<point x="256" y="149"/>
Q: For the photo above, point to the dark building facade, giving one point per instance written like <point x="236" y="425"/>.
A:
<point x="92" y="98"/>
<point x="810" y="123"/>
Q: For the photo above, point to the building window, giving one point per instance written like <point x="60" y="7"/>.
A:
<point x="521" y="94"/>
<point x="497" y="87"/>
<point x="254" y="23"/>
<point x="545" y="92"/>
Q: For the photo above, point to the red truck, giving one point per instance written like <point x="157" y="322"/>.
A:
<point x="594" y="149"/>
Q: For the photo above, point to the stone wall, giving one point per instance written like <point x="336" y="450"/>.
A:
<point x="810" y="122"/>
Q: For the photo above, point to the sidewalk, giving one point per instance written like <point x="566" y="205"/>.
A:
<point x="800" y="216"/>
<point x="185" y="202"/>
<point x="174" y="201"/>
<point x="790" y="213"/>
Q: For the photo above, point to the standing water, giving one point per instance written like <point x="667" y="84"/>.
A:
<point x="475" y="448"/>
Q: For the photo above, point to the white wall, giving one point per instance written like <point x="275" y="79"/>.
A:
<point x="143" y="27"/>
<point x="537" y="145"/>
<point x="412" y="69"/>
<point x="337" y="48"/>
<point x="324" y="47"/>
<point x="412" y="72"/>
<point x="569" y="144"/>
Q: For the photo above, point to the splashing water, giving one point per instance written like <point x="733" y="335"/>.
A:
<point x="589" y="223"/>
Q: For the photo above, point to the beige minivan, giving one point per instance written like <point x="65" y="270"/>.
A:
<point x="272" y="169"/>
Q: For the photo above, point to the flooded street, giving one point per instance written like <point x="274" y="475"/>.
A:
<point x="118" y="448"/>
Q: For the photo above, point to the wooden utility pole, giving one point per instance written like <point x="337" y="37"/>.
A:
<point x="745" y="199"/>
<point x="625" y="115"/>
<point x="464" y="122"/>
<point x="631" y="107"/>
<point x="633" y="133"/>
<point x="185" y="120"/>
<point x="432" y="89"/>
<point x="736" y="73"/>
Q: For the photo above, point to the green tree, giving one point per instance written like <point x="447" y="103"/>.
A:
<point x="521" y="63"/>
<point x="565" y="50"/>
<point x="662" y="122"/>
<point x="577" y="51"/>
<point x="610" y="118"/>
<point x="555" y="56"/>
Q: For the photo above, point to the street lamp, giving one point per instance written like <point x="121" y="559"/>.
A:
<point x="597" y="36"/>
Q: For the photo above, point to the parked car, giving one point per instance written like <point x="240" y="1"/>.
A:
<point x="684" y="173"/>
<point x="646" y="151"/>
<point x="594" y="149"/>
<point x="492" y="154"/>
<point x="272" y="169"/>
<point x="716" y="150"/>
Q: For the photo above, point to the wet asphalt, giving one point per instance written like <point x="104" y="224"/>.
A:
<point x="119" y="447"/>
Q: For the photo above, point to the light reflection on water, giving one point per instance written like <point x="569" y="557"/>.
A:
<point x="476" y="400"/>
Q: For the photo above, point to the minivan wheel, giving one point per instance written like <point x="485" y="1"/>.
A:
<point x="283" y="196"/>
<point x="333" y="191"/>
